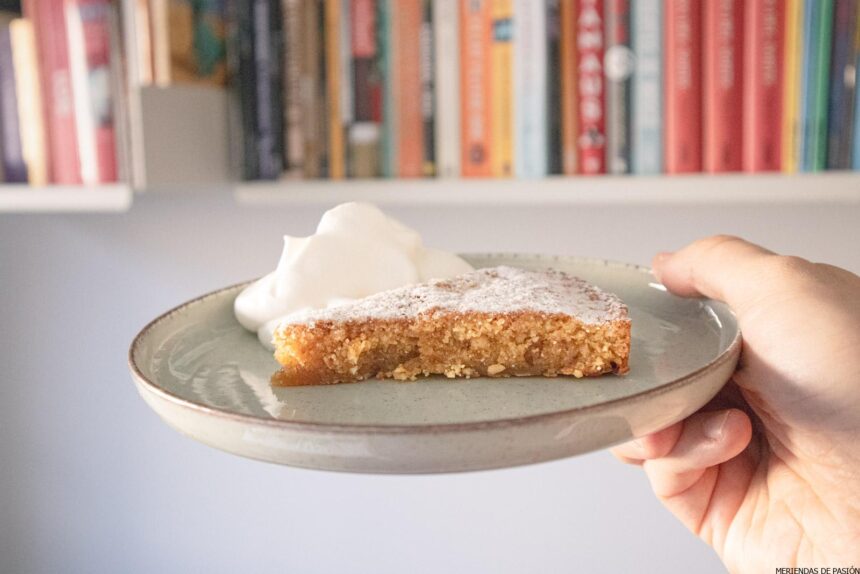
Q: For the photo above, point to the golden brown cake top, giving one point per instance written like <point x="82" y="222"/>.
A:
<point x="496" y="290"/>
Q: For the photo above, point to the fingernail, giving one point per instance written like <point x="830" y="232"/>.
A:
<point x="713" y="426"/>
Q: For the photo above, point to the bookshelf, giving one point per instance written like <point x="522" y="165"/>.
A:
<point x="695" y="189"/>
<point x="22" y="198"/>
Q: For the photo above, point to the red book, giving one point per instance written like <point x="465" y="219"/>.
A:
<point x="590" y="85"/>
<point x="410" y="122"/>
<point x="763" y="54"/>
<point x="49" y="21"/>
<point x="683" y="86"/>
<point x="475" y="78"/>
<point x="723" y="85"/>
<point x="89" y="24"/>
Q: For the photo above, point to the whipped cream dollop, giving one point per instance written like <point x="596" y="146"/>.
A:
<point x="356" y="251"/>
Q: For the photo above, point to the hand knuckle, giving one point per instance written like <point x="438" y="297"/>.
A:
<point x="788" y="268"/>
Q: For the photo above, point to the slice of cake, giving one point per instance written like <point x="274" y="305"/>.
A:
<point x="494" y="322"/>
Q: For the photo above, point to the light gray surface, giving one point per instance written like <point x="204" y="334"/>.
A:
<point x="92" y="481"/>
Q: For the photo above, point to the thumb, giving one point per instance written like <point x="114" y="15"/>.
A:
<point x="722" y="267"/>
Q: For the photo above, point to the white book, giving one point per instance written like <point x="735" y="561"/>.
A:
<point x="647" y="128"/>
<point x="29" y="96"/>
<point x="446" y="46"/>
<point x="530" y="88"/>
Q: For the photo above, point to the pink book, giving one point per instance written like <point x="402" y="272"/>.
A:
<point x="49" y="21"/>
<point x="88" y="24"/>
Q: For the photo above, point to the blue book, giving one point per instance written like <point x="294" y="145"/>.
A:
<point x="14" y="168"/>
<point x="531" y="137"/>
<point x="842" y="86"/>
<point x="806" y="81"/>
<point x="647" y="42"/>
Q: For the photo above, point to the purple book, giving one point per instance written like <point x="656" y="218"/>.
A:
<point x="14" y="168"/>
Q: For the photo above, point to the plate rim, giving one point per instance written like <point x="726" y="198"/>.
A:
<point x="143" y="382"/>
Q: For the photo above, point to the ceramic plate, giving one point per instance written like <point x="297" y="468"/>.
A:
<point x="209" y="378"/>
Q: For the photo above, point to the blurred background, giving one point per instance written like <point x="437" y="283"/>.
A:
<point x="100" y="233"/>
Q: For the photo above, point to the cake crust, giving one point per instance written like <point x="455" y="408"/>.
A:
<point x="496" y="322"/>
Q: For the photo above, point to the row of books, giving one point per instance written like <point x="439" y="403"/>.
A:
<point x="61" y="93"/>
<point x="526" y="88"/>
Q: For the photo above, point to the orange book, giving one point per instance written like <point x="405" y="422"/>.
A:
<point x="502" y="88"/>
<point x="410" y="121"/>
<point x="475" y="70"/>
<point x="567" y="69"/>
<point x="336" y="149"/>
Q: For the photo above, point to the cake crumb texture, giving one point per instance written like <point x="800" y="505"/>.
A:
<point x="497" y="322"/>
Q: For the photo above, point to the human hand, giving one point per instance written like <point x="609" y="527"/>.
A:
<point x="768" y="473"/>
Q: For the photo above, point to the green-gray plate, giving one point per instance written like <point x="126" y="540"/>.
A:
<point x="209" y="378"/>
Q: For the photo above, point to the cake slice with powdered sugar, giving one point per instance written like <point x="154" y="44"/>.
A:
<point x="495" y="322"/>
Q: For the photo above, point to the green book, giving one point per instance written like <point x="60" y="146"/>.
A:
<point x="385" y="55"/>
<point x="816" y="151"/>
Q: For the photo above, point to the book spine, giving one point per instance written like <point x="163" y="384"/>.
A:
<point x="530" y="89"/>
<point x="364" y="132"/>
<point x="89" y="58"/>
<point x="792" y="82"/>
<point x="619" y="66"/>
<point x="143" y="43"/>
<point x="410" y="125"/>
<point x="267" y="52"/>
<point x="683" y="86"/>
<point x="428" y="104"/>
<point x="363" y="40"/>
<point x="313" y="89"/>
<point x="553" y="104"/>
<point x="567" y="80"/>
<point x="347" y="91"/>
<point x="591" y="143"/>
<point x="334" y="103"/>
<point x="475" y="97"/>
<point x="501" y="87"/>
<point x="842" y="86"/>
<point x="763" y="85"/>
<point x="647" y="92"/>
<point x="14" y="166"/>
<point x="810" y="26"/>
<point x="119" y="88"/>
<point x="53" y="53"/>
<point x="159" y="22"/>
<point x="723" y="22"/>
<point x="446" y="47"/>
<point x="388" y="71"/>
<point x="855" y="146"/>
<point x="245" y="75"/>
<point x="815" y="131"/>
<point x="29" y="99"/>
<point x="294" y="145"/>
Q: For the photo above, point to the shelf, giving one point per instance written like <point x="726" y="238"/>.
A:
<point x="59" y="198"/>
<point x="818" y="188"/>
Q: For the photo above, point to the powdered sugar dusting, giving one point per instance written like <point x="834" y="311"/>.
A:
<point x="494" y="290"/>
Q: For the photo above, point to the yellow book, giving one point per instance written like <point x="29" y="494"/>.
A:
<point x="502" y="88"/>
<point x="791" y="85"/>
<point x="336" y="149"/>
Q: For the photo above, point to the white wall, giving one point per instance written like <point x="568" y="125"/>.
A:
<point x="92" y="481"/>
